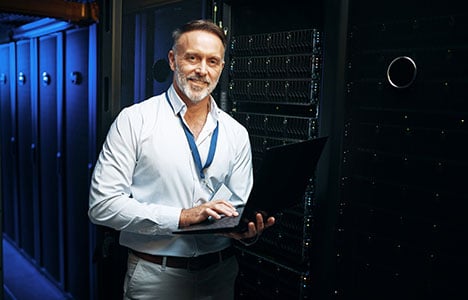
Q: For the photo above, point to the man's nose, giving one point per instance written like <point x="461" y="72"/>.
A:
<point x="202" y="68"/>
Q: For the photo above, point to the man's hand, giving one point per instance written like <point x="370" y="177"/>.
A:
<point x="212" y="209"/>
<point x="254" y="229"/>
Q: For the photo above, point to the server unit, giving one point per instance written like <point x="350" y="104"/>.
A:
<point x="274" y="81"/>
<point x="272" y="85"/>
<point x="8" y="134"/>
<point x="402" y="231"/>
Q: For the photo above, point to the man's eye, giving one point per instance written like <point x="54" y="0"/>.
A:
<point x="214" y="62"/>
<point x="191" y="58"/>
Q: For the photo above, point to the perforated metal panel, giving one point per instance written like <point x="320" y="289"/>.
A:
<point x="273" y="90"/>
<point x="402" y="229"/>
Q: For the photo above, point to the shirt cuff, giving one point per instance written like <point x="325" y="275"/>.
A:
<point x="168" y="217"/>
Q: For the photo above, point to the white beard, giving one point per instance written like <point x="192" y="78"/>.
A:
<point x="195" y="94"/>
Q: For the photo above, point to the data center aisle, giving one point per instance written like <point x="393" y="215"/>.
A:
<point x="23" y="281"/>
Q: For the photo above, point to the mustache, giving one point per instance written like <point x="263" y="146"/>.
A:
<point x="198" y="78"/>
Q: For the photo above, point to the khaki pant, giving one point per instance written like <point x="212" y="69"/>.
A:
<point x="149" y="281"/>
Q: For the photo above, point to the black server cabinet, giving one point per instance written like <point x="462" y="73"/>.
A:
<point x="8" y="140"/>
<point x="27" y="151"/>
<point x="272" y="85"/>
<point x="49" y="131"/>
<point x="78" y="139"/>
<point x="402" y="226"/>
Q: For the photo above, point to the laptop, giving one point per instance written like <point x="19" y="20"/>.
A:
<point x="279" y="184"/>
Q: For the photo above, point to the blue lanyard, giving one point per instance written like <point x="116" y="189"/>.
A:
<point x="193" y="145"/>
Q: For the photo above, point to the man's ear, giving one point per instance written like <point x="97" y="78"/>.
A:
<point x="171" y="58"/>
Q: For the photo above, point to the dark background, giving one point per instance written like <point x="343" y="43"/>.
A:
<point x="383" y="216"/>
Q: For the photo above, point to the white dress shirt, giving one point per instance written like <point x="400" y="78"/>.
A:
<point x="145" y="175"/>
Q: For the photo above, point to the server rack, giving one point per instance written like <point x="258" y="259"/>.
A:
<point x="272" y="85"/>
<point x="7" y="168"/>
<point x="276" y="98"/>
<point x="401" y="227"/>
<point x="48" y="100"/>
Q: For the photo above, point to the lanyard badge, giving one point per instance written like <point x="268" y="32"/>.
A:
<point x="194" y="148"/>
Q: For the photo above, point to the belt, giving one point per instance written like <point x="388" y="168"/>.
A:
<point x="190" y="263"/>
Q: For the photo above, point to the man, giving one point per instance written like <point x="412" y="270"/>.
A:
<point x="161" y="161"/>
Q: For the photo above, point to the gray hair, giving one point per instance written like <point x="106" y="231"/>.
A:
<point x="203" y="25"/>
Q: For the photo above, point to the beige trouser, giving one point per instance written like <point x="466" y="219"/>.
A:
<point x="149" y="281"/>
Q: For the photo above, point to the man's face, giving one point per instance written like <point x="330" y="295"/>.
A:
<point x="197" y="64"/>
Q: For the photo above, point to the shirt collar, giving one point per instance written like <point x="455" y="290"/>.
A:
<point x="179" y="106"/>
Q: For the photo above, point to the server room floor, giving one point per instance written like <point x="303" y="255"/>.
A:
<point x="22" y="281"/>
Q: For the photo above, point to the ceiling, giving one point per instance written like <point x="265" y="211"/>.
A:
<point x="15" y="13"/>
<point x="9" y="21"/>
